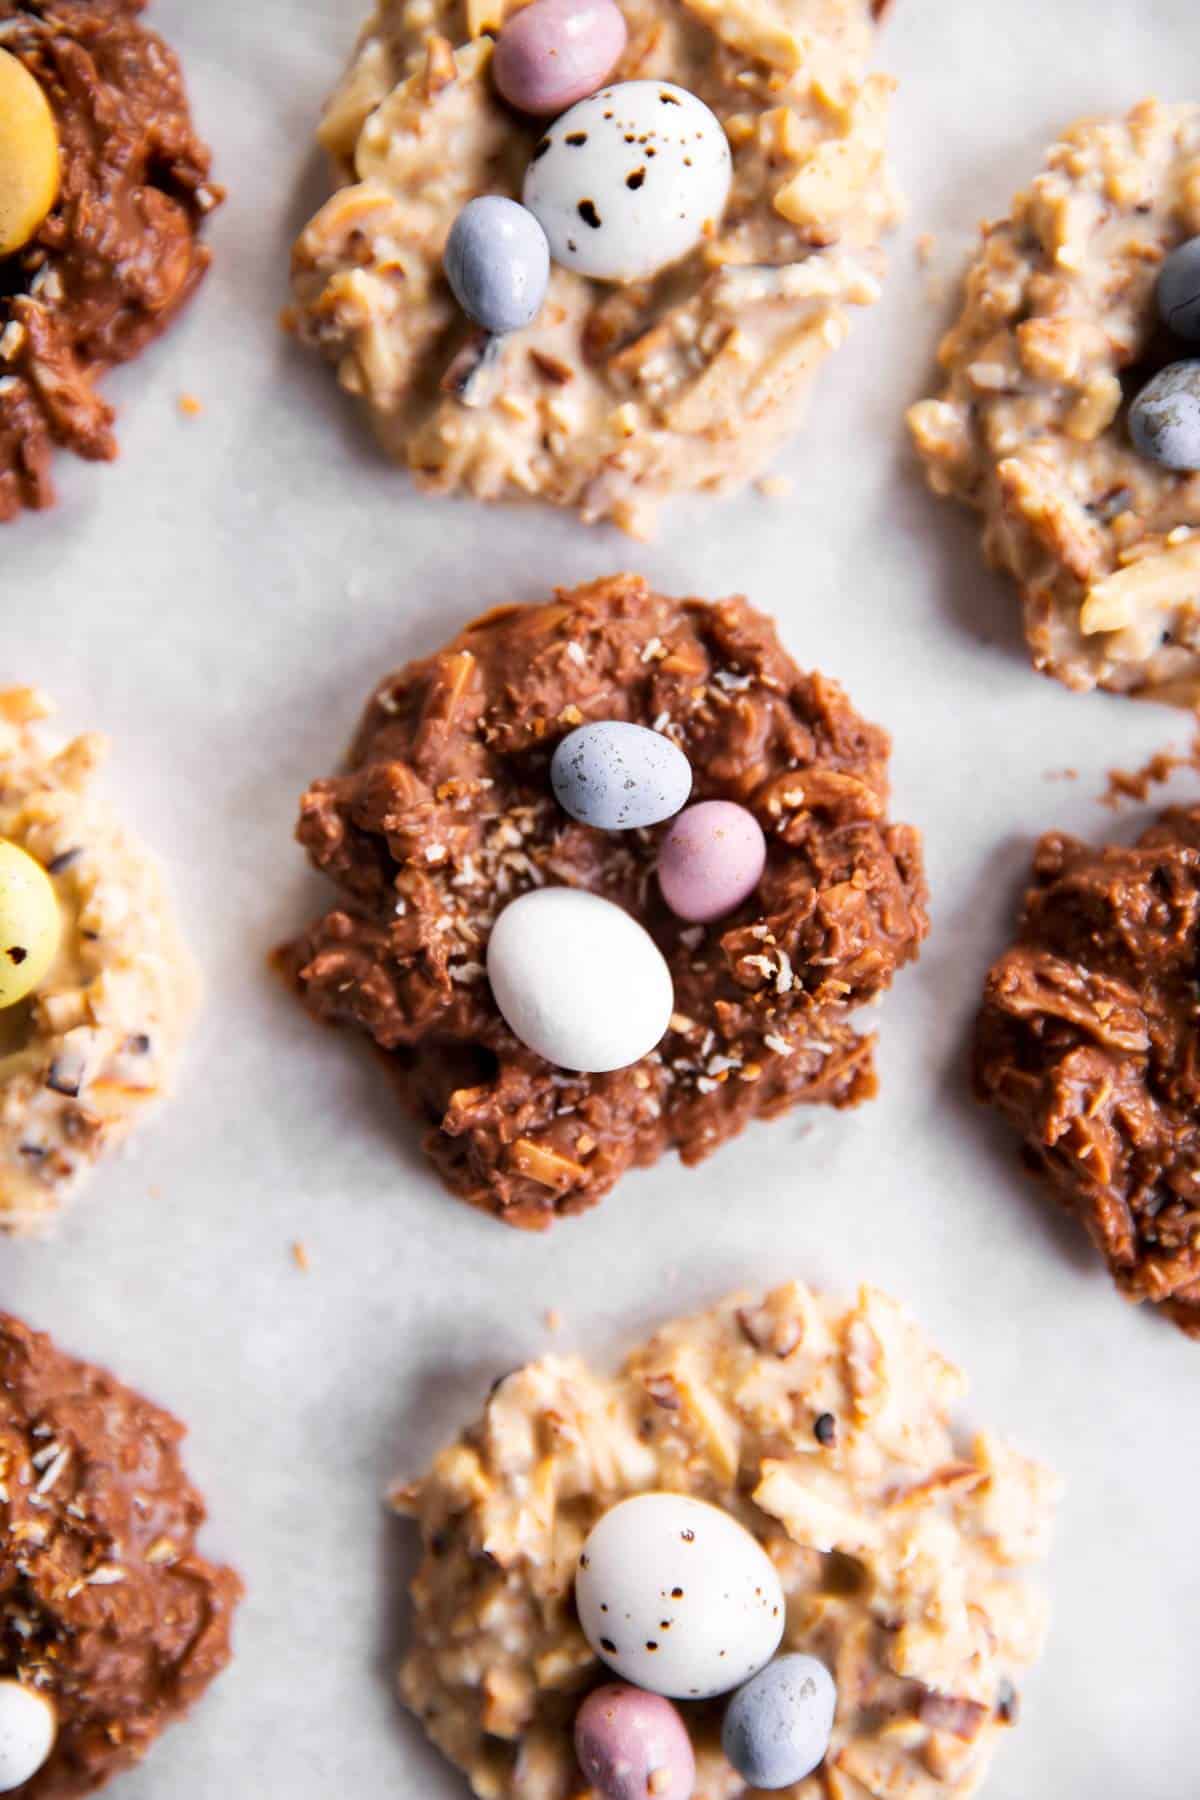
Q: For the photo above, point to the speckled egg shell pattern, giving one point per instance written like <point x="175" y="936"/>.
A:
<point x="630" y="180"/>
<point x="678" y="1597"/>
<point x="618" y="776"/>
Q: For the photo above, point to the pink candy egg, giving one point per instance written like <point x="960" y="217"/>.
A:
<point x="634" y="1746"/>
<point x="710" y="860"/>
<point x="555" y="52"/>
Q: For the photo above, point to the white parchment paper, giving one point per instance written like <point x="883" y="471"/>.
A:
<point x="221" y="600"/>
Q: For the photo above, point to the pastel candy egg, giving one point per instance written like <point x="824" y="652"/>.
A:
<point x="1164" y="420"/>
<point x="578" y="980"/>
<point x="554" y="52"/>
<point x="634" y="1746"/>
<point x="617" y="776"/>
<point x="677" y="1597"/>
<point x="629" y="180"/>
<point x="710" y="860"/>
<point x="29" y="160"/>
<point x="30" y="924"/>
<point x="497" y="262"/>
<point x="27" y="1732"/>
<point x="1178" y="290"/>
<point x="777" y="1727"/>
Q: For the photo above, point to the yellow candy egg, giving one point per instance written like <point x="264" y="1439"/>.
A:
<point x="30" y="923"/>
<point x="29" y="164"/>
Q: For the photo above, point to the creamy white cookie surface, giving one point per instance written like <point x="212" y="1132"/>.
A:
<point x="1059" y="332"/>
<point x="616" y="395"/>
<point x="97" y="1041"/>
<point x="826" y="1430"/>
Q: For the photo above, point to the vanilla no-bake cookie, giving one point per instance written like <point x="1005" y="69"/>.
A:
<point x="96" y="1043"/>
<point x="447" y="816"/>
<point x="827" y="1431"/>
<point x="615" y="396"/>
<point x="1059" y="332"/>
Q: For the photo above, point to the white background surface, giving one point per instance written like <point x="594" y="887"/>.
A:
<point x="221" y="600"/>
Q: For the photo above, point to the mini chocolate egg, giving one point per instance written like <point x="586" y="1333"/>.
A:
<point x="710" y="860"/>
<point x="634" y="1746"/>
<point x="30" y="923"/>
<point x="28" y="1728"/>
<point x="29" y="154"/>
<point x="555" y="52"/>
<point x="1178" y="290"/>
<point x="617" y="776"/>
<point x="629" y="180"/>
<point x="497" y="262"/>
<point x="678" y="1597"/>
<point x="777" y="1727"/>
<point x="1164" y="420"/>
<point x="578" y="980"/>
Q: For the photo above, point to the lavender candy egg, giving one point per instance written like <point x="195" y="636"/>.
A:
<point x="777" y="1728"/>
<point x="710" y="860"/>
<point x="555" y="52"/>
<point x="497" y="262"/>
<point x="634" y="1746"/>
<point x="630" y="180"/>
<point x="618" y="776"/>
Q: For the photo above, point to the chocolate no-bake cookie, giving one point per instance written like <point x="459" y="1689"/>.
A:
<point x="446" y="812"/>
<point x="106" y="1608"/>
<point x="1089" y="1042"/>
<point x="118" y="254"/>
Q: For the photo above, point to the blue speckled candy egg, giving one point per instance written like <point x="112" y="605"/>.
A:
<point x="1179" y="290"/>
<point x="777" y="1727"/>
<point x="1164" y="420"/>
<point x="629" y="180"/>
<point x="497" y="262"/>
<point x="633" y="1746"/>
<point x="617" y="776"/>
<point x="678" y="1597"/>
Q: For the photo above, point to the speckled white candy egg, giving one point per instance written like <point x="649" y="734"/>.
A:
<point x="629" y="180"/>
<point x="677" y="1597"/>
<point x="578" y="980"/>
<point x="27" y="1732"/>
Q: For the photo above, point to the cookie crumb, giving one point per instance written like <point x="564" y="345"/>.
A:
<point x="775" y="487"/>
<point x="190" y="405"/>
<point x="1135" y="784"/>
<point x="300" y="1256"/>
<point x="554" y="1319"/>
